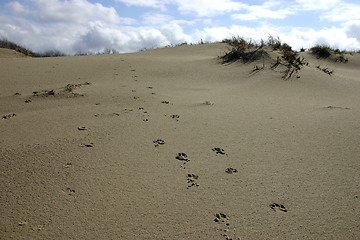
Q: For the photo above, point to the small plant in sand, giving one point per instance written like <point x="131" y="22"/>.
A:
<point x="291" y="60"/>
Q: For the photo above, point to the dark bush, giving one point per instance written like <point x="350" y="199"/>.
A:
<point x="321" y="51"/>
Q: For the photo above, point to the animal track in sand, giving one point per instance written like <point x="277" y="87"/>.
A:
<point x="184" y="158"/>
<point x="192" y="180"/>
<point x="231" y="170"/>
<point x="218" y="150"/>
<point x="278" y="207"/>
<point x="88" y="145"/>
<point x="8" y="116"/>
<point x="334" y="107"/>
<point x="70" y="191"/>
<point x="23" y="223"/>
<point x="224" y="228"/>
<point x="158" y="142"/>
<point x="175" y="116"/>
<point x="67" y="165"/>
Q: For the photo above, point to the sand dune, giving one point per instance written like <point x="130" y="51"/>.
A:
<point x="172" y="144"/>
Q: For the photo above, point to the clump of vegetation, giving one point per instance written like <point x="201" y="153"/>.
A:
<point x="321" y="51"/>
<point x="248" y="51"/>
<point x="324" y="51"/>
<point x="4" y="43"/>
<point x="291" y="60"/>
<point x="242" y="50"/>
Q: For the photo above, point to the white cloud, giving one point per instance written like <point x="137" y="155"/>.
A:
<point x="311" y="5"/>
<point x="75" y="11"/>
<point x="160" y="4"/>
<point x="78" y="25"/>
<point x="342" y="13"/>
<point x="208" y="7"/>
<point x="268" y="10"/>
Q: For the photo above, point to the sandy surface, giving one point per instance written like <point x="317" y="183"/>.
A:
<point x="263" y="158"/>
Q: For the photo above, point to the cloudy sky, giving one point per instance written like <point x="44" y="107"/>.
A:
<point x="74" y="26"/>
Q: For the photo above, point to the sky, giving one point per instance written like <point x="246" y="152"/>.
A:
<point x="82" y="26"/>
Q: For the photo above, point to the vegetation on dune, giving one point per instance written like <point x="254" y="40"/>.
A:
<point x="4" y="43"/>
<point x="249" y="51"/>
<point x="324" y="51"/>
<point x="246" y="51"/>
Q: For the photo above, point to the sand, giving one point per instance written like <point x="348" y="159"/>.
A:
<point x="172" y="144"/>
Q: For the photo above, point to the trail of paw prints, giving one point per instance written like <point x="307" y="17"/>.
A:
<point x="278" y="207"/>
<point x="192" y="180"/>
<point x="223" y="222"/>
<point x="183" y="157"/>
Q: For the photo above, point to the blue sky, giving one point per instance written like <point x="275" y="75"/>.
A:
<point x="74" y="26"/>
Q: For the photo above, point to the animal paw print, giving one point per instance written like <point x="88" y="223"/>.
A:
<point x="192" y="180"/>
<point x="70" y="191"/>
<point x="182" y="157"/>
<point x="218" y="150"/>
<point x="158" y="142"/>
<point x="223" y="220"/>
<point x="23" y="223"/>
<point x="175" y="116"/>
<point x="231" y="170"/>
<point x="278" y="207"/>
<point x="8" y="116"/>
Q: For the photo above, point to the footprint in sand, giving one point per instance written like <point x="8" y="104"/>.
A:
<point x="28" y="101"/>
<point x="231" y="170"/>
<point x="166" y="102"/>
<point x="223" y="221"/>
<point x="175" y="116"/>
<point x="67" y="165"/>
<point x="218" y="150"/>
<point x="278" y="207"/>
<point x="334" y="107"/>
<point x="82" y="128"/>
<point x="23" y="223"/>
<point x="8" y="116"/>
<point x="184" y="158"/>
<point x="70" y="191"/>
<point x="192" y="180"/>
<point x="158" y="142"/>
<point x="88" y="145"/>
